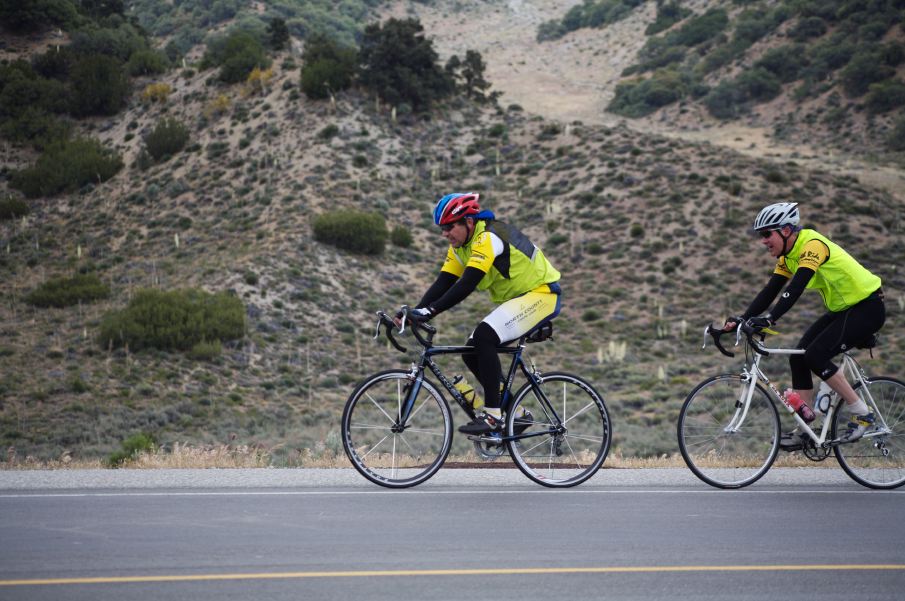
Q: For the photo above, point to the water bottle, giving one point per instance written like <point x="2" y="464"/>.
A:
<point x="823" y="399"/>
<point x="470" y="394"/>
<point x="793" y="400"/>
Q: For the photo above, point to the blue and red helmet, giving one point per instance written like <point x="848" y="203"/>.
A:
<point x="453" y="207"/>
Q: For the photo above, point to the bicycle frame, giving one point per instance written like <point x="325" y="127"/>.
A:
<point x="850" y="368"/>
<point x="518" y="363"/>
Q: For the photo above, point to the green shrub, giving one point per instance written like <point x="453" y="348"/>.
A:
<point x="399" y="64"/>
<point x="896" y="139"/>
<point x="174" y="320"/>
<point x="358" y="232"/>
<point x="132" y="447"/>
<point x="30" y="16"/>
<point x="807" y="28"/>
<point x="828" y="55"/>
<point x="784" y="62"/>
<point x="99" y="86"/>
<point x="12" y="208"/>
<point x="865" y="68"/>
<point x="66" y="166"/>
<point x="642" y="97"/>
<point x="723" y="100"/>
<point x="327" y="67"/>
<point x="65" y="292"/>
<point x="147" y="62"/>
<point x="205" y="351"/>
<point x="401" y="236"/>
<point x="668" y="14"/>
<point x="885" y="96"/>
<point x="236" y="54"/>
<point x="758" y="85"/>
<point x="167" y="138"/>
<point x="328" y="131"/>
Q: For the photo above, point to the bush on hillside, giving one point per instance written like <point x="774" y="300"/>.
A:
<point x="98" y="85"/>
<point x="355" y="231"/>
<point x="401" y="237"/>
<point x="23" y="16"/>
<point x="865" y="67"/>
<point x="399" y="64"/>
<point x="827" y="56"/>
<point x="668" y="14"/>
<point x="167" y="138"/>
<point x="785" y="62"/>
<point x="808" y="28"/>
<point x="327" y="67"/>
<point x="896" y="139"/>
<point x="723" y="100"/>
<point x="638" y="98"/>
<point x="758" y="85"/>
<point x="173" y="321"/>
<point x="236" y="54"/>
<point x="66" y="166"/>
<point x="21" y="88"/>
<point x="885" y="96"/>
<point x="12" y="208"/>
<point x="147" y="62"/>
<point x="36" y="127"/>
<point x="66" y="292"/>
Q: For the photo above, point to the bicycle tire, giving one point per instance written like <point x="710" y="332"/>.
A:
<point x="385" y="452"/>
<point x="718" y="457"/>
<point x="864" y="460"/>
<point x="567" y="458"/>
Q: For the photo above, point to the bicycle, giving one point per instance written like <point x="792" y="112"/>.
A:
<point x="729" y="428"/>
<point x="397" y="427"/>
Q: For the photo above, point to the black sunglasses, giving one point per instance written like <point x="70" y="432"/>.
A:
<point x="448" y="226"/>
<point x="766" y="233"/>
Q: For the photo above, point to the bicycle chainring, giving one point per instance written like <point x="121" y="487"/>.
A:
<point x="813" y="452"/>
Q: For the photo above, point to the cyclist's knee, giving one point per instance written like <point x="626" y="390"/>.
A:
<point x="485" y="336"/>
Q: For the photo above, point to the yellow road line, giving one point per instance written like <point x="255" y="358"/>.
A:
<point x="462" y="572"/>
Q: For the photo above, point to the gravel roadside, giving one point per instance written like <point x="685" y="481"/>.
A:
<point x="123" y="479"/>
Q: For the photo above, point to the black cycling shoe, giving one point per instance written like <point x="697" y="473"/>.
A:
<point x="483" y="423"/>
<point x="792" y="441"/>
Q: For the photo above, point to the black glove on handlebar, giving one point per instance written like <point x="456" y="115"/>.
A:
<point x="421" y="315"/>
<point x="759" y="323"/>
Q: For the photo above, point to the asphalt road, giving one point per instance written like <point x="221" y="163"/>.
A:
<point x="328" y="534"/>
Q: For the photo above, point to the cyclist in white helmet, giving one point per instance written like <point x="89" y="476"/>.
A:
<point x="852" y="295"/>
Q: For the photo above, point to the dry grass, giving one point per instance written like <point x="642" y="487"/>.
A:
<point x="185" y="456"/>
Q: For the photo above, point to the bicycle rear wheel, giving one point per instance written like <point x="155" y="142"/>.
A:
<point x="565" y="444"/>
<point x="382" y="448"/>
<point x="716" y="447"/>
<point x="876" y="460"/>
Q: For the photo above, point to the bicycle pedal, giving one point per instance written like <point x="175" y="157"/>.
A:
<point x="486" y="439"/>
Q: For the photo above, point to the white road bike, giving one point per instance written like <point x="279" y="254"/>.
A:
<point x="729" y="426"/>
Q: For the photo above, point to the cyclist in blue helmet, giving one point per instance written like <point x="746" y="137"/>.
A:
<point x="487" y="254"/>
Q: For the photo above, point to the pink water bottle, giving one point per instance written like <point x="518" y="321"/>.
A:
<point x="793" y="399"/>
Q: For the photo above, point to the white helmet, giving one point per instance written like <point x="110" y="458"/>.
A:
<point x="777" y="215"/>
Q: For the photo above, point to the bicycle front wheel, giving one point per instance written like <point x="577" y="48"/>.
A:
<point x="564" y="433"/>
<point x="877" y="459"/>
<point x="387" y="450"/>
<point x="721" y="444"/>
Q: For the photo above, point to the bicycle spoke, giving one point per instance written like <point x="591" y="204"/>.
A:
<point x="570" y="446"/>
<point x="718" y="455"/>
<point x="379" y="447"/>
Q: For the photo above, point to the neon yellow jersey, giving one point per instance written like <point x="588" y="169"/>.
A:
<point x="512" y="265"/>
<point x="840" y="279"/>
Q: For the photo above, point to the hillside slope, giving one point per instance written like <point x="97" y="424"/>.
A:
<point x="647" y="230"/>
<point x="575" y="78"/>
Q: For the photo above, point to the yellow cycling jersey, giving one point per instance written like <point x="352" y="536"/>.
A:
<point x="840" y="279"/>
<point x="511" y="263"/>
